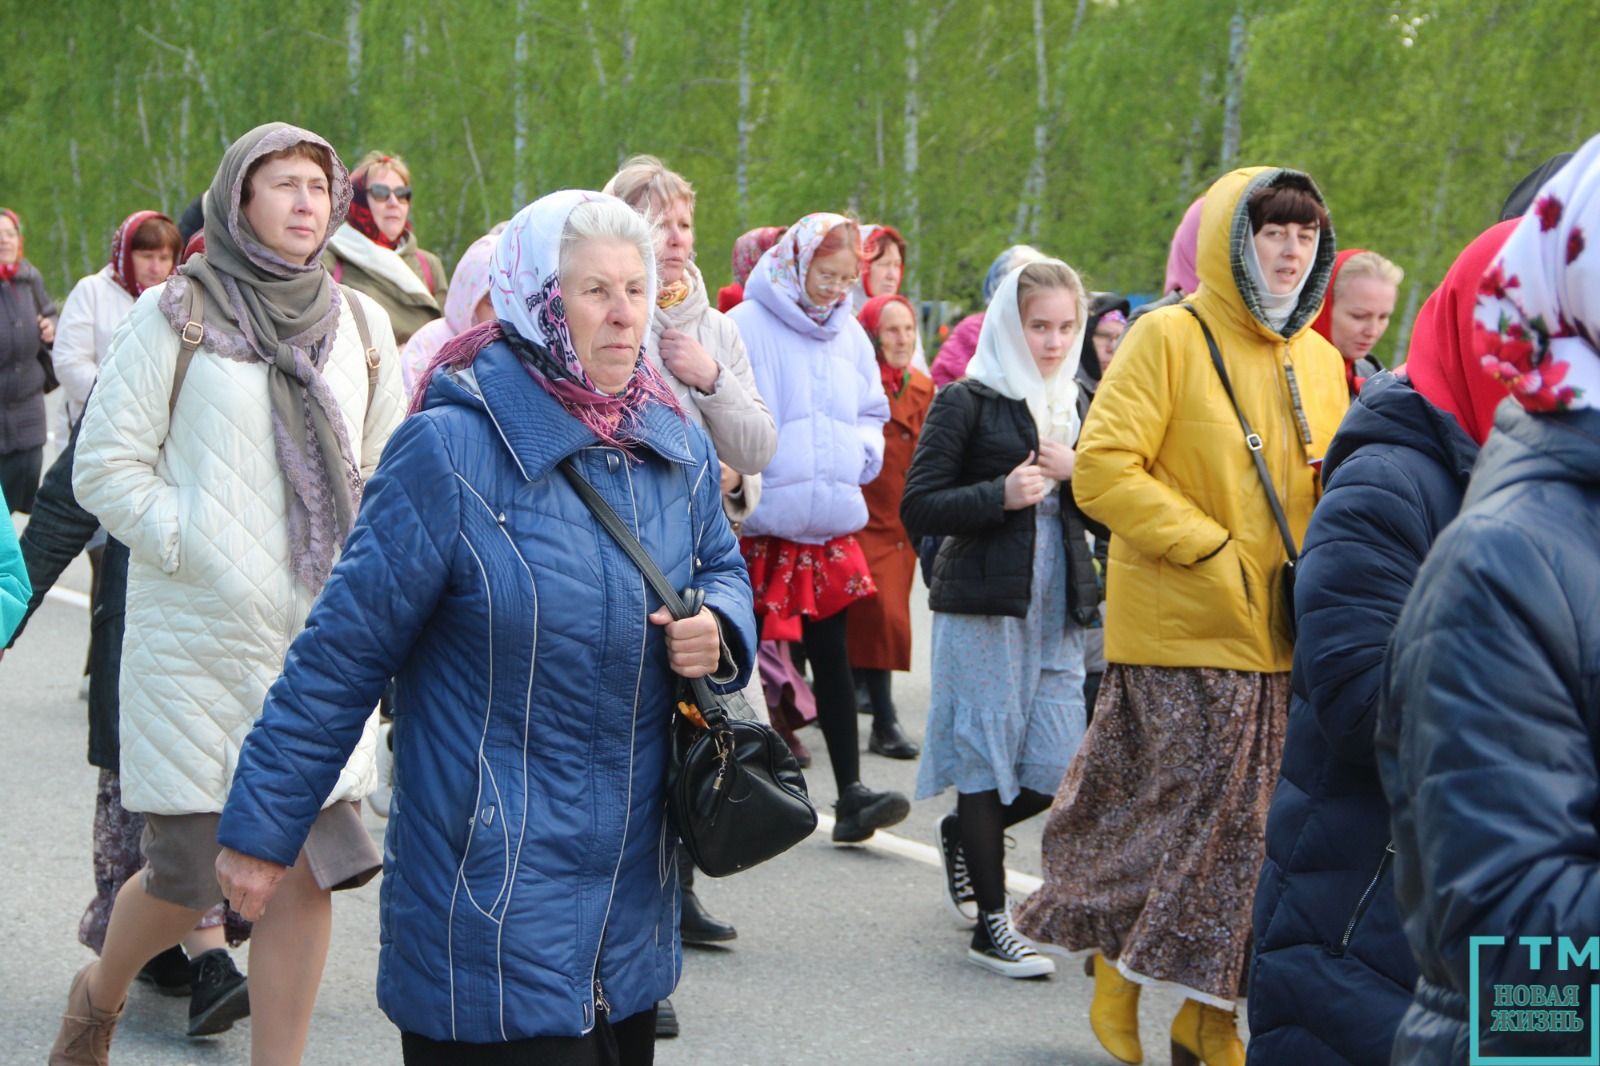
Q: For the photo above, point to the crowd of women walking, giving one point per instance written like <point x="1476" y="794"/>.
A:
<point x="1265" y="632"/>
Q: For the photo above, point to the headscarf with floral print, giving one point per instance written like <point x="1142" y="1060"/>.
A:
<point x="748" y="249"/>
<point x="1539" y="301"/>
<point x="122" y="251"/>
<point x="525" y="291"/>
<point x="788" y="261"/>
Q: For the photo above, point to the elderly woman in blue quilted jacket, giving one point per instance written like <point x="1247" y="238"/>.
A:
<point x="529" y="905"/>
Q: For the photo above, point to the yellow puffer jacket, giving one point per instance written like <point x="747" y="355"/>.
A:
<point x="1163" y="463"/>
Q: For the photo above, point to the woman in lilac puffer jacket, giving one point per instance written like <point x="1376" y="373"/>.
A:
<point x="815" y="368"/>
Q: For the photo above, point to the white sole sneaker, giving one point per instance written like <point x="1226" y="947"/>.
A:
<point x="1033" y="966"/>
<point x="965" y="914"/>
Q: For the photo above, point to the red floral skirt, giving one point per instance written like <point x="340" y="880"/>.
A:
<point x="794" y="581"/>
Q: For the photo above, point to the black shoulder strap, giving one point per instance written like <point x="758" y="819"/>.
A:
<point x="624" y="536"/>
<point x="1252" y="439"/>
<point x="685" y="606"/>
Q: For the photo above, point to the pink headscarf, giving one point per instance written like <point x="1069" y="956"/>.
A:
<point x="1181" y="274"/>
<point x="468" y="286"/>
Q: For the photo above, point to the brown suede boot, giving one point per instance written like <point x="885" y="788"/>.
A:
<point x="85" y="1037"/>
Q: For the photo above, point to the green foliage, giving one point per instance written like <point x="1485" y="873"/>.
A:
<point x="1415" y="116"/>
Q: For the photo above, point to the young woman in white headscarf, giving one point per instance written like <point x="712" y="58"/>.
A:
<point x="1013" y="585"/>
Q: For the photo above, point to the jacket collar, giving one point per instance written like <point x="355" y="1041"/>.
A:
<point x="1390" y="411"/>
<point x="535" y="428"/>
<point x="1561" y="446"/>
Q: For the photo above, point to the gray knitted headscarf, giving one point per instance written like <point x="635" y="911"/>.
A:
<point x="260" y="306"/>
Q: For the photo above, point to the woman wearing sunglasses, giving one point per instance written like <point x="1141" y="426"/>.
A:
<point x="376" y="252"/>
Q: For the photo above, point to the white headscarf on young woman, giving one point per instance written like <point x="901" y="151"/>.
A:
<point x="1004" y="363"/>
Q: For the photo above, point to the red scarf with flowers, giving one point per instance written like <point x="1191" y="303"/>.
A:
<point x="122" y="251"/>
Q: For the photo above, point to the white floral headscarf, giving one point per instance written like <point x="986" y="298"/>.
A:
<point x="1539" y="302"/>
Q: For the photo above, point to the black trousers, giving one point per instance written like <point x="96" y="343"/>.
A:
<point x="628" y="1042"/>
<point x="19" y="477"/>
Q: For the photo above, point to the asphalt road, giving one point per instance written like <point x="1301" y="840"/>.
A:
<point x="845" y="955"/>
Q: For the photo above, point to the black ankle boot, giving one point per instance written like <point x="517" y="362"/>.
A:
<point x="220" y="996"/>
<point x="861" y="812"/>
<point x="696" y="923"/>
<point x="666" y="1020"/>
<point x="890" y="741"/>
<point x="168" y="972"/>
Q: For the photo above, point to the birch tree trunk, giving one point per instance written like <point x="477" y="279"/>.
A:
<point x="352" y="67"/>
<point x="1233" y="99"/>
<point x="741" y="166"/>
<point x="908" y="171"/>
<point x="519" y="112"/>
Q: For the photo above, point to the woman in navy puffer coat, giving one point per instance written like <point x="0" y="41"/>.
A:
<point x="1332" y="974"/>
<point x="1489" y="734"/>
<point x="530" y="894"/>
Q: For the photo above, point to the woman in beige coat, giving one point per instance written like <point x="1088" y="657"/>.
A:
<point x="700" y="353"/>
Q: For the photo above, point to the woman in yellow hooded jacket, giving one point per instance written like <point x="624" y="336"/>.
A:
<point x="1154" y="844"/>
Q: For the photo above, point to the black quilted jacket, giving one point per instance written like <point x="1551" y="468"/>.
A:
<point x="973" y="438"/>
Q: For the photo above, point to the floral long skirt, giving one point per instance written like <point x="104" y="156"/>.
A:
<point x="1154" y="844"/>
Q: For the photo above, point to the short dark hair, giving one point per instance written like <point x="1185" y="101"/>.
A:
<point x="156" y="233"/>
<point x="303" y="150"/>
<point x="1291" y="199"/>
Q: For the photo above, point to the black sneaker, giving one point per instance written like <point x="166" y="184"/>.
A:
<point x="959" y="895"/>
<point x="168" y="972"/>
<point x="861" y="812"/>
<point x="221" y="994"/>
<point x="666" y="1020"/>
<point x="997" y="946"/>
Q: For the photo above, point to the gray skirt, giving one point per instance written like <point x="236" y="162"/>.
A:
<point x="1007" y="705"/>
<point x="180" y="852"/>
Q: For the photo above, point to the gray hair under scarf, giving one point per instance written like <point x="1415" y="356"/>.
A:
<point x="260" y="306"/>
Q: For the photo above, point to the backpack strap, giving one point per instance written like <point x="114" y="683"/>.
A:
<point x="368" y="349"/>
<point x="426" y="269"/>
<point x="189" y="338"/>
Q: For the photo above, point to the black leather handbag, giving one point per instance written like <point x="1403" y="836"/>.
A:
<point x="735" y="794"/>
<point x="1252" y="441"/>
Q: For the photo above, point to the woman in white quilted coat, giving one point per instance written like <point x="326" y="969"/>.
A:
<point x="233" y="485"/>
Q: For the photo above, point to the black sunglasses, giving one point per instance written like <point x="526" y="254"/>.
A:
<point x="383" y="192"/>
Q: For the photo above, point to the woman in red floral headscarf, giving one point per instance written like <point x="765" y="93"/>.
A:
<point x="880" y="627"/>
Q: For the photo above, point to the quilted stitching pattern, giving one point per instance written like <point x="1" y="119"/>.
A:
<point x="203" y="508"/>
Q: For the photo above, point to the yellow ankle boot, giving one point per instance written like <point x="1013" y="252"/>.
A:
<point x="1114" y="1014"/>
<point x="1202" y="1034"/>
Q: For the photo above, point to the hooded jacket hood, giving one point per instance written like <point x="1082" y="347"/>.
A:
<point x="1390" y="411"/>
<point x="1225" y="285"/>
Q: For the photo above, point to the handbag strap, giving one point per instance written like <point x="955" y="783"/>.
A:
<point x="369" y="350"/>
<point x="675" y="603"/>
<point x="189" y="338"/>
<point x="194" y="333"/>
<point x="1252" y="439"/>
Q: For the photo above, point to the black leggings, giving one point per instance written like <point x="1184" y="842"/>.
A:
<point x="835" y="689"/>
<point x="629" y="1042"/>
<point x="984" y="821"/>
<point x="879" y="694"/>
